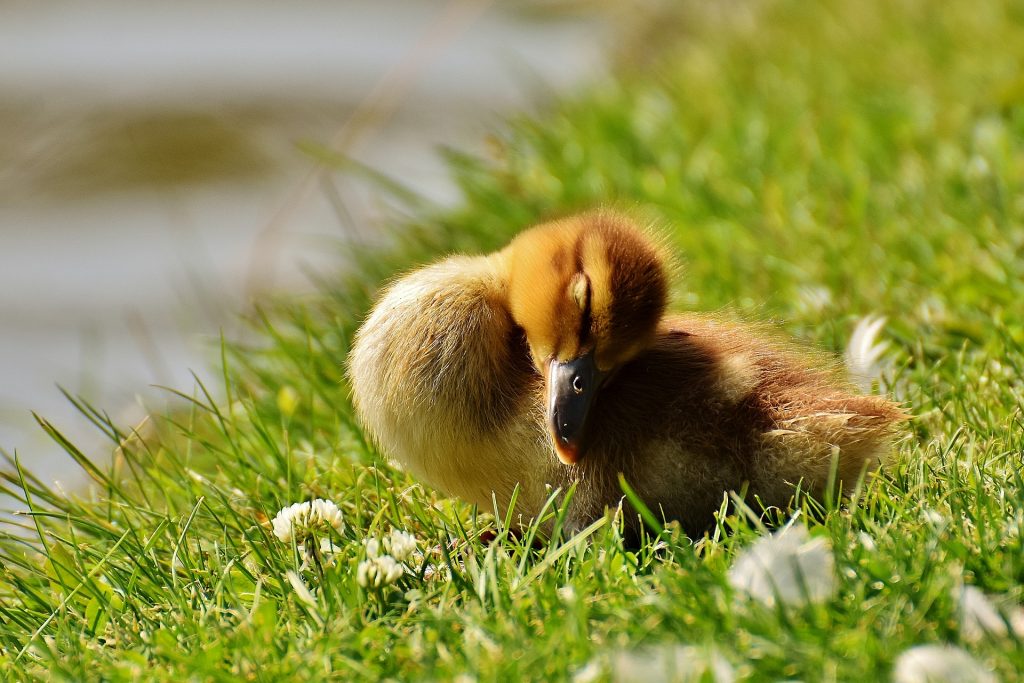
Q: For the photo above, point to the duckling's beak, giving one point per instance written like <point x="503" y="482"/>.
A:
<point x="572" y="387"/>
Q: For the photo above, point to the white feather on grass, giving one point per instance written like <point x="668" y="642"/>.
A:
<point x="667" y="663"/>
<point x="864" y="352"/>
<point x="788" y="566"/>
<point x="939" y="664"/>
<point x="980" y="618"/>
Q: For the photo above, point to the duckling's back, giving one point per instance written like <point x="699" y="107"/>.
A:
<point x="714" y="406"/>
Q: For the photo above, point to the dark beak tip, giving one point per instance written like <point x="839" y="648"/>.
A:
<point x="569" y="454"/>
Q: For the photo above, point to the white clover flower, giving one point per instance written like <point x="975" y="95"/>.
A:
<point x="372" y="546"/>
<point x="864" y="352"/>
<point x="788" y="566"/>
<point x="939" y="664"/>
<point x="376" y="572"/>
<point x="311" y="518"/>
<point x="400" y="544"/>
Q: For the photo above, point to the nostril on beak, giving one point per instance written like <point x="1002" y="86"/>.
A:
<point x="563" y="429"/>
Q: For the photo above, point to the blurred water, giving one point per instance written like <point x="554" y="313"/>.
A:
<point x="145" y="148"/>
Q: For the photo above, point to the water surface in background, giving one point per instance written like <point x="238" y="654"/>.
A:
<point x="146" y="147"/>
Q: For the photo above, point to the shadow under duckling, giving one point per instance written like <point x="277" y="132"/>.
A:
<point x="552" y="362"/>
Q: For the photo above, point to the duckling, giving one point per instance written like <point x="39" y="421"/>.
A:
<point x="553" y="362"/>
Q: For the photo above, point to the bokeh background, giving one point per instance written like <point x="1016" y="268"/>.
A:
<point x="161" y="168"/>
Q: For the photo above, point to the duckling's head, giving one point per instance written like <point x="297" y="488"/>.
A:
<point x="588" y="291"/>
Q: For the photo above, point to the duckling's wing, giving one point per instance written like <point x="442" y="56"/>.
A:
<point x="443" y="382"/>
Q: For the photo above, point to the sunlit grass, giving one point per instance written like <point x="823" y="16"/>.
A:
<point x="813" y="163"/>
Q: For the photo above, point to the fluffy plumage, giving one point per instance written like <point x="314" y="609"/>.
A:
<point x="552" y="362"/>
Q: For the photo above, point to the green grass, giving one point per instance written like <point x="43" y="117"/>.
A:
<point x="814" y="163"/>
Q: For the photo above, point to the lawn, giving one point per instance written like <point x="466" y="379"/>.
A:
<point x="814" y="164"/>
